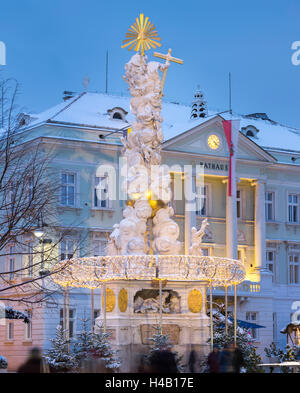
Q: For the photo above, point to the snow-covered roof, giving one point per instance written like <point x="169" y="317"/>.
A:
<point x="291" y="325"/>
<point x="274" y="135"/>
<point x="91" y="110"/>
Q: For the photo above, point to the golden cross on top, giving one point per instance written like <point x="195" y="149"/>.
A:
<point x="168" y="59"/>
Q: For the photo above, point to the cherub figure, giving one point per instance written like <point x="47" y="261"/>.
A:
<point x="128" y="237"/>
<point x="196" y="239"/>
<point x="166" y="232"/>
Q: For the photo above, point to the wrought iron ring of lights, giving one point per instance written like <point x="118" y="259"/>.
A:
<point x="90" y="272"/>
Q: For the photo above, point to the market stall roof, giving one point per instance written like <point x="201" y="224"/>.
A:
<point x="246" y="324"/>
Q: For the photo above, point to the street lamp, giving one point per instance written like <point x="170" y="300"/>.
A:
<point x="38" y="233"/>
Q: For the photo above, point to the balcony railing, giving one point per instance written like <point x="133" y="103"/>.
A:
<point x="245" y="288"/>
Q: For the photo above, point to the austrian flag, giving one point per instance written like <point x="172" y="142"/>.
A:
<point x="231" y="130"/>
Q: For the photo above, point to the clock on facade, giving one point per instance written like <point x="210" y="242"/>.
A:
<point x="213" y="142"/>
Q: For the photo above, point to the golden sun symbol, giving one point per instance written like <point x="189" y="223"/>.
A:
<point x="141" y="36"/>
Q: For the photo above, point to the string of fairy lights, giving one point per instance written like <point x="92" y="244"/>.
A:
<point x="91" y="272"/>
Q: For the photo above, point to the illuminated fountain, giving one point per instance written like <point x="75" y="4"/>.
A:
<point x="143" y="269"/>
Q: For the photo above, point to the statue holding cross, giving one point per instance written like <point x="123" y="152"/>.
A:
<point x="168" y="58"/>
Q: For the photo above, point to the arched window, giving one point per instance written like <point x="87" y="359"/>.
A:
<point x="250" y="131"/>
<point x="117" y="115"/>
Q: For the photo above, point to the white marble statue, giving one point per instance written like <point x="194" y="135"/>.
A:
<point x="174" y="305"/>
<point x="165" y="232"/>
<point x="145" y="85"/>
<point x="196" y="238"/>
<point x="112" y="247"/>
<point x="142" y="148"/>
<point x="128" y="237"/>
<point x="151" y="305"/>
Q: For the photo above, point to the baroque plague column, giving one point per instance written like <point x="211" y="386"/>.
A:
<point x="145" y="277"/>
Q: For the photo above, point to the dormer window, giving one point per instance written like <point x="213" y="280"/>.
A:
<point x="23" y="119"/>
<point x="117" y="113"/>
<point x="250" y="131"/>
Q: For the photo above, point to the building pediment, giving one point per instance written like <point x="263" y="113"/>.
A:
<point x="208" y="138"/>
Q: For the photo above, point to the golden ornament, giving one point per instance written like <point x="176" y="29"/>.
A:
<point x="141" y="36"/>
<point x="123" y="300"/>
<point x="195" y="301"/>
<point x="110" y="300"/>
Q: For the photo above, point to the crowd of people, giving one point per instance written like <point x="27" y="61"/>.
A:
<point x="228" y="360"/>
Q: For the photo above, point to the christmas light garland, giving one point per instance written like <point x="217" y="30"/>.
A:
<point x="90" y="272"/>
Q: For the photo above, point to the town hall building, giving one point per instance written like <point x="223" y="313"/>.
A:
<point x="84" y="132"/>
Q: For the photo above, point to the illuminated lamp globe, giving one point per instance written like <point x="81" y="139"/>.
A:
<point x="38" y="233"/>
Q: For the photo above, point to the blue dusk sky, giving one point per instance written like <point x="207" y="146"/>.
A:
<point x="52" y="45"/>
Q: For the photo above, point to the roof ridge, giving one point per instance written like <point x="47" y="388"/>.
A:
<point x="67" y="106"/>
<point x="274" y="123"/>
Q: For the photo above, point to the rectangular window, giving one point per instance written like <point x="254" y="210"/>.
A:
<point x="30" y="189"/>
<point x="101" y="192"/>
<point x="293" y="205"/>
<point x="71" y="321"/>
<point x="252" y="317"/>
<point x="11" y="262"/>
<point x="67" y="249"/>
<point x="274" y="327"/>
<point x="238" y="203"/>
<point x="96" y="315"/>
<point x="10" y="331"/>
<point x="98" y="247"/>
<point x="201" y="201"/>
<point x="67" y="189"/>
<point x="205" y="251"/>
<point x="270" y="262"/>
<point x="293" y="268"/>
<point x="269" y="206"/>
<point x="29" y="260"/>
<point x="178" y="200"/>
<point x="11" y="194"/>
<point x="28" y="326"/>
<point x="240" y="255"/>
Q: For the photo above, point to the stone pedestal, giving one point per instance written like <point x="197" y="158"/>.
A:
<point x="188" y="329"/>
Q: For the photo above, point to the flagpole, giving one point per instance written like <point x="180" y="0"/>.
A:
<point x="230" y="108"/>
<point x="231" y="133"/>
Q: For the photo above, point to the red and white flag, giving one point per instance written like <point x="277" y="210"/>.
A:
<point x="231" y="130"/>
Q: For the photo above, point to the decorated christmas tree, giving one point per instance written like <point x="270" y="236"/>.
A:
<point x="161" y="342"/>
<point x="58" y="357"/>
<point x="102" y="349"/>
<point x="243" y="339"/>
<point x="84" y="344"/>
<point x="279" y="355"/>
